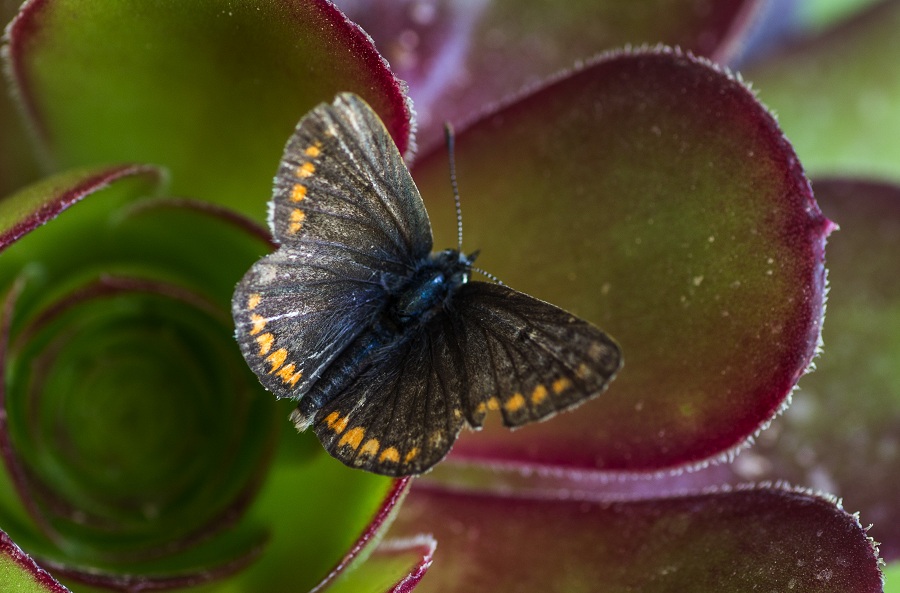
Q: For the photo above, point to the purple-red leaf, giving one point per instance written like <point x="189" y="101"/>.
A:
<point x="460" y="57"/>
<point x="653" y="195"/>
<point x="750" y="539"/>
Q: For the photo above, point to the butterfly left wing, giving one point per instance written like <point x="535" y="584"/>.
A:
<point x="493" y="349"/>
<point x="351" y="223"/>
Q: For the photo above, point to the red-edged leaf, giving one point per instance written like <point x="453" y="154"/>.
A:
<point x="38" y="204"/>
<point x="753" y="539"/>
<point x="653" y="195"/>
<point x="211" y="91"/>
<point x="19" y="573"/>
<point x="459" y="57"/>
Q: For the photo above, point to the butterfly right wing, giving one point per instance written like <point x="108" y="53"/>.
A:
<point x="525" y="358"/>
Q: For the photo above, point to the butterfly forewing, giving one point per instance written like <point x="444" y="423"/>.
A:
<point x="342" y="181"/>
<point x="351" y="223"/>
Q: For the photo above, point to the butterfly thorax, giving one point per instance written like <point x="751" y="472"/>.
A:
<point x="429" y="288"/>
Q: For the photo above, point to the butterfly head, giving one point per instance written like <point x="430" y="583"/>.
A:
<point x="455" y="265"/>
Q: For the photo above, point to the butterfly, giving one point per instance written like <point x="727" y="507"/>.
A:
<point x="388" y="348"/>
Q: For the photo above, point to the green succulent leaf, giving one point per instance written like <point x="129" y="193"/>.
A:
<point x="209" y="90"/>
<point x="19" y="573"/>
<point x="18" y="162"/>
<point x="396" y="566"/>
<point x="117" y="330"/>
<point x="653" y="195"/>
<point x="836" y="95"/>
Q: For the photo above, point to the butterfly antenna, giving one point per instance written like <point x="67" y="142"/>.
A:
<point x="488" y="275"/>
<point x="448" y="135"/>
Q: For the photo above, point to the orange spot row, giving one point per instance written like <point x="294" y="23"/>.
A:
<point x="539" y="394"/>
<point x="354" y="437"/>
<point x="561" y="385"/>
<point x="514" y="403"/>
<point x="313" y="150"/>
<point x="289" y="374"/>
<point x="336" y="423"/>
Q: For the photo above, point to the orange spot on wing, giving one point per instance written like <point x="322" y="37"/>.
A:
<point x="411" y="455"/>
<point x="493" y="404"/>
<point x="298" y="193"/>
<point x="583" y="371"/>
<point x="277" y="359"/>
<point x="335" y="422"/>
<point x="515" y="403"/>
<point x="297" y="218"/>
<point x="370" y="448"/>
<point x="265" y="342"/>
<point x="306" y="170"/>
<point x="313" y="150"/>
<point x="259" y="322"/>
<point x="390" y="454"/>
<point x="253" y="301"/>
<point x="353" y="437"/>
<point x="539" y="394"/>
<point x="288" y="375"/>
<point x="561" y="385"/>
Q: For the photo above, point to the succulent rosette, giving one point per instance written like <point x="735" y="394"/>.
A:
<point x="608" y="162"/>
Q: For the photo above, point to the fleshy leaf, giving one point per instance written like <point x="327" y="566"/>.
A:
<point x="211" y="91"/>
<point x="19" y="573"/>
<point x="18" y="164"/>
<point x="844" y="87"/>
<point x="176" y="248"/>
<point x="372" y="533"/>
<point x="840" y="433"/>
<point x="396" y="566"/>
<point x="653" y="195"/>
<point x="459" y="57"/>
<point x="766" y="539"/>
<point x="36" y="205"/>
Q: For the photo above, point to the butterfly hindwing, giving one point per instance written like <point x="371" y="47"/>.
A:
<point x="524" y="357"/>
<point x="343" y="181"/>
<point x="402" y="416"/>
<point x="493" y="349"/>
